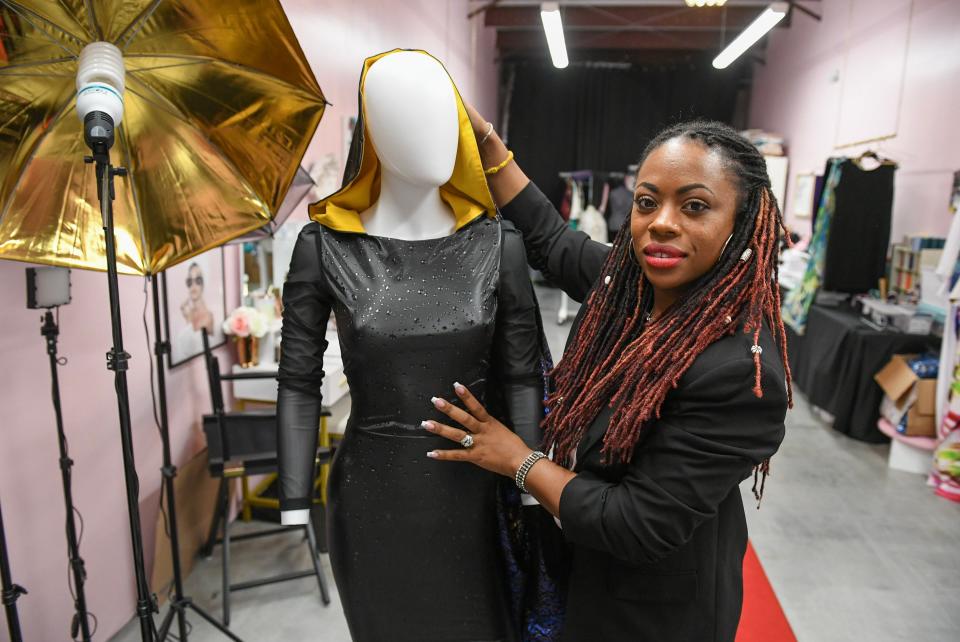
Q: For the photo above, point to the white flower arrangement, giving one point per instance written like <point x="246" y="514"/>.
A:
<point x="246" y="322"/>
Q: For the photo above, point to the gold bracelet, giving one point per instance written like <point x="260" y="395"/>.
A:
<point x="494" y="170"/>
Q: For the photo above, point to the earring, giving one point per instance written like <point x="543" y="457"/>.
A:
<point x="725" y="244"/>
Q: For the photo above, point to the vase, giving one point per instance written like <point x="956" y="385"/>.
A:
<point x="248" y="351"/>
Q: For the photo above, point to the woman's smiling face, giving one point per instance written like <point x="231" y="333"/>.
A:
<point x="684" y="209"/>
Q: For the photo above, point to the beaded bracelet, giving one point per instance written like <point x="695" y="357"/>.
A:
<point x="494" y="170"/>
<point x="521" y="477"/>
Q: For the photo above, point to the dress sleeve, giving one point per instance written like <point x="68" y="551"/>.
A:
<point x="306" y="309"/>
<point x="567" y="257"/>
<point x="517" y="342"/>
<point x="704" y="445"/>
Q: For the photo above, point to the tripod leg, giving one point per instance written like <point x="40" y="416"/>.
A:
<point x="225" y="516"/>
<point x="167" y="621"/>
<point x="206" y="616"/>
<point x="317" y="567"/>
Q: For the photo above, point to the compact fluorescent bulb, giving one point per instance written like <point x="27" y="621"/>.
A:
<point x="553" y="27"/>
<point x="757" y="29"/>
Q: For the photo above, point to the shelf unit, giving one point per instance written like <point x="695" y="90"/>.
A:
<point x="909" y="259"/>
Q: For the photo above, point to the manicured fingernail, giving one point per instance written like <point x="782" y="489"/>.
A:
<point x="432" y="454"/>
<point x="427" y="425"/>
<point x="438" y="402"/>
<point x="459" y="388"/>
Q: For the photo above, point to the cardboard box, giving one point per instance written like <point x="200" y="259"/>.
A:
<point x="905" y="394"/>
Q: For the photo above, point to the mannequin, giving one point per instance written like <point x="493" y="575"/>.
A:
<point x="410" y="206"/>
<point x="416" y="142"/>
<point x="428" y="289"/>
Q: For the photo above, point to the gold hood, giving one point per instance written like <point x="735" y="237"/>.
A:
<point x="466" y="192"/>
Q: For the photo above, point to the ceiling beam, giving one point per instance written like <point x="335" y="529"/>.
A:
<point x="624" y="18"/>
<point x="515" y="41"/>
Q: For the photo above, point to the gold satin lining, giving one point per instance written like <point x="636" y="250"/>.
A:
<point x="466" y="192"/>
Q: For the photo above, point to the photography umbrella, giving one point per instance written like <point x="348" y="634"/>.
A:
<point x="218" y="108"/>
<point x="299" y="189"/>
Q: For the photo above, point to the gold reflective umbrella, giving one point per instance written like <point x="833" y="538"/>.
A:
<point x="220" y="105"/>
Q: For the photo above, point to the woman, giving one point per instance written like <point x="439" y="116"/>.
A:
<point x="672" y="389"/>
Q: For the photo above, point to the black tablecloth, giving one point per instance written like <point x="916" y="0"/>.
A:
<point x="833" y="364"/>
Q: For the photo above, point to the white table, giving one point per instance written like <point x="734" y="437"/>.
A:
<point x="334" y="381"/>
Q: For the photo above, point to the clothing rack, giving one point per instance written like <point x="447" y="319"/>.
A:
<point x="590" y="176"/>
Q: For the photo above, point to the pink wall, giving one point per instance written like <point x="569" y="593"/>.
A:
<point x="29" y="474"/>
<point x="815" y="71"/>
<point x="336" y="36"/>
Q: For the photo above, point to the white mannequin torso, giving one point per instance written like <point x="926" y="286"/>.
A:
<point x="410" y="115"/>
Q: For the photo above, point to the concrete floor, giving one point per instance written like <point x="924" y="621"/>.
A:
<point x="854" y="550"/>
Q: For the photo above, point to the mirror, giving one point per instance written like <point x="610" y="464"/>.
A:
<point x="256" y="270"/>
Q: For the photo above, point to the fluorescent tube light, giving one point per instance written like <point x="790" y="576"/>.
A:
<point x="757" y="29"/>
<point x="553" y="27"/>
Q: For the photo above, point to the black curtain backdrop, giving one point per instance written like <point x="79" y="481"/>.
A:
<point x="600" y="117"/>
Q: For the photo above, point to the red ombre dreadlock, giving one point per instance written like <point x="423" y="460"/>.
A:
<point x="612" y="362"/>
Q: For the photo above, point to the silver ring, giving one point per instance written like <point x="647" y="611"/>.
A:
<point x="467" y="441"/>
<point x="487" y="135"/>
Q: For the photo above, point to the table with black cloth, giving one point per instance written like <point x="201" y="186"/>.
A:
<point x="834" y="361"/>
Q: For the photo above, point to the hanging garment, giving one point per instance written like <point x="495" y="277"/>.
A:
<point x="593" y="223"/>
<point x="945" y="472"/>
<point x="414" y="544"/>
<point x="621" y="204"/>
<point x="796" y="304"/>
<point x="856" y="256"/>
<point x="604" y="199"/>
<point x="951" y="249"/>
<point x="576" y="203"/>
<point x="566" y="201"/>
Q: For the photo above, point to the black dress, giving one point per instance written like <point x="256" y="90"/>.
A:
<point x="413" y="542"/>
<point x="859" y="234"/>
<point x="658" y="543"/>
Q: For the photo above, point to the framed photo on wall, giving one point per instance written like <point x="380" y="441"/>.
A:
<point x="194" y="298"/>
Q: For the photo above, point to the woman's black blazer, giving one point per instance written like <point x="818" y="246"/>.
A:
<point x="658" y="543"/>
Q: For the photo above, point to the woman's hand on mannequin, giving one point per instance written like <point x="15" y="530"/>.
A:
<point x="496" y="448"/>
<point x="509" y="181"/>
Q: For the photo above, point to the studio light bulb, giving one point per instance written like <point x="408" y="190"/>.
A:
<point x="100" y="86"/>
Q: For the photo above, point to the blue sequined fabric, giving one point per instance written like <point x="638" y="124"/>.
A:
<point x="535" y="554"/>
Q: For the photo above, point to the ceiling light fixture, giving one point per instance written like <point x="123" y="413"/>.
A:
<point x="553" y="27"/>
<point x="706" y="3"/>
<point x="757" y="29"/>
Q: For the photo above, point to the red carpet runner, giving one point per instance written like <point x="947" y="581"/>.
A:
<point x="762" y="619"/>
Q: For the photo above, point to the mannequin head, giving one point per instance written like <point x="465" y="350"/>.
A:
<point x="411" y="117"/>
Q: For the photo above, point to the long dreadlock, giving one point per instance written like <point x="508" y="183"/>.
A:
<point x="612" y="361"/>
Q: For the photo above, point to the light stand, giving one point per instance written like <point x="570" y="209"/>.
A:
<point x="81" y="624"/>
<point x="98" y="133"/>
<point x="179" y="603"/>
<point x="11" y="592"/>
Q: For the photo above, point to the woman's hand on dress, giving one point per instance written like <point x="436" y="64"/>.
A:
<point x="495" y="447"/>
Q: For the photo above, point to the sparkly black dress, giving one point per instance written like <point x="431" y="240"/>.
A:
<point x="413" y="542"/>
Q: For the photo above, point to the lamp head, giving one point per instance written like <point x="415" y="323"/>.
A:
<point x="100" y="86"/>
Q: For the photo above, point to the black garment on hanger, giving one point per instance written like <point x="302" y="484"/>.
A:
<point x="619" y="206"/>
<point x="859" y="229"/>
